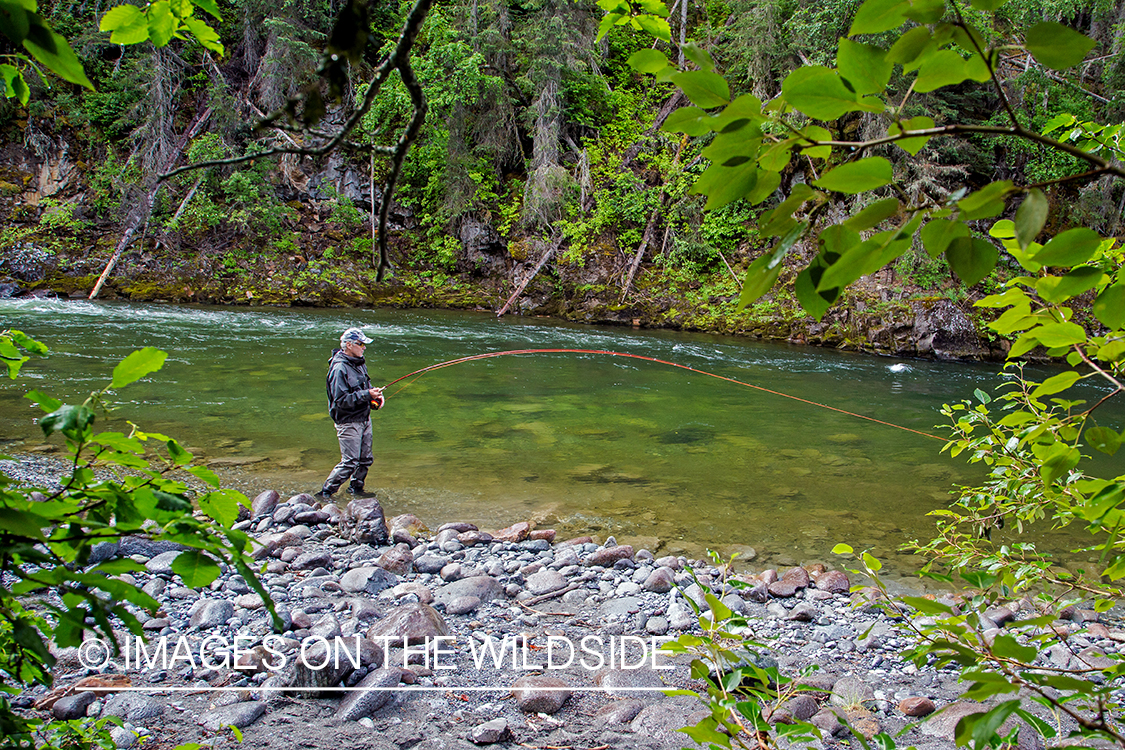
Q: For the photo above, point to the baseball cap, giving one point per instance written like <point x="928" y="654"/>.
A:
<point x="354" y="334"/>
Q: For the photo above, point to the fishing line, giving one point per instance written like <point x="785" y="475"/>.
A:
<point x="489" y="355"/>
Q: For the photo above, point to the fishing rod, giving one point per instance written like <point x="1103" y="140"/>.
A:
<point x="603" y="352"/>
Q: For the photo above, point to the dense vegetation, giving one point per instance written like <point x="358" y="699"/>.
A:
<point x="539" y="139"/>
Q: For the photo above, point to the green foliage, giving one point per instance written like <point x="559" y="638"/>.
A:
<point x="47" y="543"/>
<point x="59" y="217"/>
<point x="161" y="22"/>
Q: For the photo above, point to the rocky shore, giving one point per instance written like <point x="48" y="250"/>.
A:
<point x="462" y="638"/>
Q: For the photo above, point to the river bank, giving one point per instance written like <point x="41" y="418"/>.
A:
<point x="429" y="608"/>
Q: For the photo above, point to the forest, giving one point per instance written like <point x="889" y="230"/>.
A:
<point x="542" y="161"/>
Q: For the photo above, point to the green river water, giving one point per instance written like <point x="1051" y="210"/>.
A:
<point x="583" y="443"/>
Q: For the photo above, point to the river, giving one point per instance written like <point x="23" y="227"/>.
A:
<point x="580" y="442"/>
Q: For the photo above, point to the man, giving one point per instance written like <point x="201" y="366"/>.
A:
<point x="350" y="401"/>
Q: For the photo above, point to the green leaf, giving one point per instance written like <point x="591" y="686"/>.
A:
<point x="46" y="403"/>
<point x="1060" y="288"/>
<point x="1059" y="462"/>
<point x="858" y="176"/>
<point x="927" y="606"/>
<point x="53" y="52"/>
<point x="1070" y="248"/>
<point x="879" y="15"/>
<point x="15" y="87"/>
<point x="209" y="6"/>
<point x="767" y="183"/>
<point x="804" y="286"/>
<point x="864" y="66"/>
<point x="873" y="215"/>
<point x="986" y="202"/>
<point x="971" y="259"/>
<point x="196" y="568"/>
<point x="780" y="220"/>
<point x="208" y="476"/>
<point x="1056" y="46"/>
<point x="1031" y="217"/>
<point x="978" y="579"/>
<point x="942" y="68"/>
<point x="819" y="93"/>
<point x="161" y="23"/>
<point x="691" y="121"/>
<point x="1109" y="307"/>
<point x="20" y="523"/>
<point x="911" y="145"/>
<point x="763" y="272"/>
<point x="222" y="505"/>
<point x="816" y="133"/>
<point x="842" y="549"/>
<point x="654" y="26"/>
<point x="127" y="22"/>
<point x="723" y="185"/>
<point x="699" y="56"/>
<point x="925" y="11"/>
<point x="67" y="419"/>
<point x="138" y="364"/>
<point x="14" y="21"/>
<point x="648" y="61"/>
<point x="872" y="562"/>
<point x="938" y="233"/>
<point x="207" y="37"/>
<point x="1056" y="384"/>
<point x="1059" y="334"/>
<point x="703" y="88"/>
<point x="1103" y="439"/>
<point x="1112" y="351"/>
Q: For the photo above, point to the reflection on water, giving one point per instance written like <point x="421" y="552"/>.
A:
<point x="585" y="443"/>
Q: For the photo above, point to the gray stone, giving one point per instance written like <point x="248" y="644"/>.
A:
<point x="462" y="605"/>
<point x="410" y="624"/>
<point x="607" y="556"/>
<point x="618" y="712"/>
<point x="370" y="580"/>
<point x="660" y="581"/>
<point x="539" y="694"/>
<point x="326" y="664"/>
<point x="122" y="737"/>
<point x="397" y="560"/>
<point x="320" y="558"/>
<point x="73" y="706"/>
<point x="484" y="588"/>
<point x="265" y="503"/>
<point x="210" y="613"/>
<point x="545" y="581"/>
<point x="239" y="715"/>
<point x="430" y="563"/>
<point x="490" y="732"/>
<point x="132" y="707"/>
<point x="660" y="722"/>
<point x="375" y="692"/>
<point x="162" y="563"/>
<point x="364" y="522"/>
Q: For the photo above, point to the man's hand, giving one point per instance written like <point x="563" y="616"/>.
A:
<point x="377" y="399"/>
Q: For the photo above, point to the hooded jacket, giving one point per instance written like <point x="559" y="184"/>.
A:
<point x="348" y="385"/>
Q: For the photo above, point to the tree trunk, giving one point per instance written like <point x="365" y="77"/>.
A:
<point x="523" y="285"/>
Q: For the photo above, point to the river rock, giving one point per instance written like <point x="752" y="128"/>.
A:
<point x="607" y="556"/>
<point x="490" y="732"/>
<point x="517" y="532"/>
<point x="265" y="503"/>
<point x="783" y="589"/>
<point x="631" y="683"/>
<point x="473" y="538"/>
<point x="397" y="560"/>
<point x="370" y="580"/>
<point x="458" y="527"/>
<point x="311" y="560"/>
<point x="799" y="577"/>
<point x="161" y="565"/>
<point x="618" y="712"/>
<point x="834" y="582"/>
<point x="239" y="715"/>
<point x="849" y="691"/>
<point x="73" y="706"/>
<point x="462" y="605"/>
<point x="364" y="523"/>
<point x="545" y="581"/>
<point x="539" y="694"/>
<point x="325" y="663"/>
<point x="660" y="722"/>
<point x="916" y="706"/>
<point x="132" y="707"/>
<point x="409" y="624"/>
<point x="210" y="613"/>
<point x="485" y="588"/>
<point x="373" y="694"/>
<point x="660" y="581"/>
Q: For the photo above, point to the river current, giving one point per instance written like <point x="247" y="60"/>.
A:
<point x="587" y="444"/>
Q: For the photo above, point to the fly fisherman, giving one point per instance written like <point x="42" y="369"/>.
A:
<point x="350" y="401"/>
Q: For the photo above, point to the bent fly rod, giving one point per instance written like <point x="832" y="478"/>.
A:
<point x="603" y="352"/>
